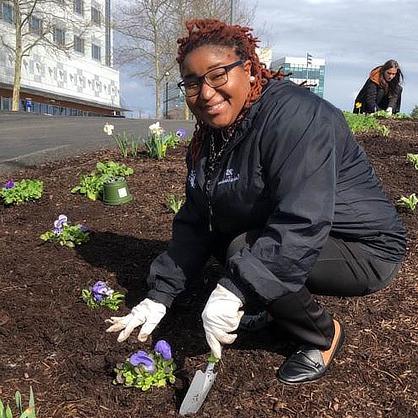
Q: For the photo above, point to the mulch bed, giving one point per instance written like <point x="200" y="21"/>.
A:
<point x="50" y="340"/>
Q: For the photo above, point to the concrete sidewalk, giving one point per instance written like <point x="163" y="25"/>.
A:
<point x="28" y="139"/>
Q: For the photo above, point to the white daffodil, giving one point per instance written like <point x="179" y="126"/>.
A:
<point x="108" y="128"/>
<point x="156" y="129"/>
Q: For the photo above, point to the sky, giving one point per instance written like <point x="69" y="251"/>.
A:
<point x="353" y="36"/>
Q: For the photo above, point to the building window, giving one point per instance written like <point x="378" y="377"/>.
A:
<point x="96" y="52"/>
<point x="59" y="36"/>
<point x="78" y="44"/>
<point x="95" y="16"/>
<point x="35" y="25"/>
<point x="79" y="7"/>
<point x="6" y="12"/>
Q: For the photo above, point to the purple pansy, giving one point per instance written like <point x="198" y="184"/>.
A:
<point x="100" y="290"/>
<point x="9" y="184"/>
<point x="142" y="358"/>
<point x="84" y="228"/>
<point x="59" y="224"/>
<point x="163" y="348"/>
<point x="181" y="133"/>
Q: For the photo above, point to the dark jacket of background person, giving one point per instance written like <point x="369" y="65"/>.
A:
<point x="290" y="144"/>
<point x="373" y="96"/>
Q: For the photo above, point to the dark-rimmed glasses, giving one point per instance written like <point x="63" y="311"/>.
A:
<point x="214" y="78"/>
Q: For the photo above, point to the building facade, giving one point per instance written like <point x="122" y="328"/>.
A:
<point x="307" y="70"/>
<point x="69" y="71"/>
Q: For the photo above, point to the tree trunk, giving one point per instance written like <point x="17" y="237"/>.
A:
<point x="18" y="61"/>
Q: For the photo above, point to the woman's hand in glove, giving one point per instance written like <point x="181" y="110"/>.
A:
<point x="220" y="317"/>
<point x="148" y="314"/>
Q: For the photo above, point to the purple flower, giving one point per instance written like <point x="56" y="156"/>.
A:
<point x="59" y="224"/>
<point x="100" y="290"/>
<point x="163" y="348"/>
<point x="84" y="228"/>
<point x="9" y="184"/>
<point x="181" y="133"/>
<point x="142" y="358"/>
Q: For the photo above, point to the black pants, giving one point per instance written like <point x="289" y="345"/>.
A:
<point x="342" y="269"/>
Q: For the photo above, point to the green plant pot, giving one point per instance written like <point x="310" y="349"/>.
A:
<point x="116" y="193"/>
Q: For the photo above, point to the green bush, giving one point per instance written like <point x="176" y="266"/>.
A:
<point x="92" y="185"/>
<point x="362" y="123"/>
<point x="21" y="191"/>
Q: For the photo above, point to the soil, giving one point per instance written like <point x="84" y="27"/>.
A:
<point x="50" y="340"/>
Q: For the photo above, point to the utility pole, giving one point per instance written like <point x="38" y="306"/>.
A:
<point x="167" y="74"/>
<point x="308" y="63"/>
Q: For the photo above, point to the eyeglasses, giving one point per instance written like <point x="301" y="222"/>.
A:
<point x="214" y="78"/>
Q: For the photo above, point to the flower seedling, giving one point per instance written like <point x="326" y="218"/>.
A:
<point x="100" y="294"/>
<point x="157" y="144"/>
<point x="413" y="158"/>
<point x="92" y="185"/>
<point x="144" y="370"/>
<point x="29" y="412"/>
<point x="174" y="203"/>
<point x="21" y="191"/>
<point x="127" y="144"/>
<point x="65" y="234"/>
<point x="409" y="202"/>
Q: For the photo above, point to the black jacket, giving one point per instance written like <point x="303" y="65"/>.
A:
<point x="293" y="170"/>
<point x="373" y="98"/>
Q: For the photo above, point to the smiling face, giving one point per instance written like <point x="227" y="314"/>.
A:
<point x="390" y="73"/>
<point x="219" y="107"/>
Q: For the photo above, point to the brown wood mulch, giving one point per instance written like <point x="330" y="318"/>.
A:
<point x="50" y="340"/>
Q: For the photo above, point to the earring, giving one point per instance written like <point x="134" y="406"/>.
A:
<point x="252" y="79"/>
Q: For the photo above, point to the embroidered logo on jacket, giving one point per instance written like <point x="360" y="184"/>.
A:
<point x="192" y="179"/>
<point x="229" y="176"/>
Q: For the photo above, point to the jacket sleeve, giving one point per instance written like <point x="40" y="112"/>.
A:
<point x="370" y="97"/>
<point x="302" y="184"/>
<point x="187" y="253"/>
<point x="394" y="100"/>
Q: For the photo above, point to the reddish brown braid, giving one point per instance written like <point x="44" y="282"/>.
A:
<point x="214" y="32"/>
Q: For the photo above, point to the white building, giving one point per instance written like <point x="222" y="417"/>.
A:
<point x="79" y="81"/>
<point x="307" y="70"/>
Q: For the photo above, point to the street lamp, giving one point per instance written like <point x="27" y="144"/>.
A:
<point x="166" y="75"/>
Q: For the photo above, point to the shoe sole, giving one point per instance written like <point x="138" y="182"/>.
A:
<point x="340" y="344"/>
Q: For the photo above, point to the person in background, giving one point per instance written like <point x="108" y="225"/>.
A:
<point x="280" y="192"/>
<point x="382" y="90"/>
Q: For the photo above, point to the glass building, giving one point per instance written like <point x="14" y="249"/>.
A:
<point x="307" y="70"/>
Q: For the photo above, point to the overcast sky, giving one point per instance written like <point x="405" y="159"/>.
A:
<point x="352" y="36"/>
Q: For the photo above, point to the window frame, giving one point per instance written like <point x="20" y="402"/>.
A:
<point x="61" y="41"/>
<point x="99" y="49"/>
<point x="96" y="16"/>
<point x="81" y="42"/>
<point x="38" y="30"/>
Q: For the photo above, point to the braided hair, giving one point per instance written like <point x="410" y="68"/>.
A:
<point x="215" y="32"/>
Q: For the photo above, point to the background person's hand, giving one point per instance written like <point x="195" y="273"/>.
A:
<point x="220" y="317"/>
<point x="148" y="314"/>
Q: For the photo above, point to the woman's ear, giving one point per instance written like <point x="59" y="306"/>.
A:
<point x="247" y="67"/>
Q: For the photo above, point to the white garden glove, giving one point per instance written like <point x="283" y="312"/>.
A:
<point x="148" y="314"/>
<point x="220" y="317"/>
<point x="389" y="110"/>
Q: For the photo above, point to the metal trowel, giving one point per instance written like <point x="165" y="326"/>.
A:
<point x="199" y="389"/>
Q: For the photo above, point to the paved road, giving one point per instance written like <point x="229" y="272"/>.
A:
<point x="28" y="139"/>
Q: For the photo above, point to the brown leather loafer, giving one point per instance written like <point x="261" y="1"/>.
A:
<point x="308" y="363"/>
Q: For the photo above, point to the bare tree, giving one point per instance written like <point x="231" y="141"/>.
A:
<point x="148" y="30"/>
<point x="39" y="23"/>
